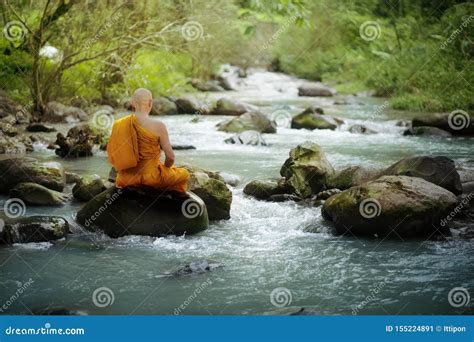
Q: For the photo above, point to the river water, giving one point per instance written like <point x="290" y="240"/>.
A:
<point x="277" y="257"/>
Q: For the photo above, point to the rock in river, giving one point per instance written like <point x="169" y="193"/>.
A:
<point x="307" y="171"/>
<point x="252" y="121"/>
<point x="119" y="212"/>
<point x="212" y="189"/>
<point x="427" y="131"/>
<point x="253" y="138"/>
<point x="33" y="229"/>
<point x="23" y="169"/>
<point x="266" y="189"/>
<point x="315" y="89"/>
<point x="163" y="106"/>
<point x="38" y="195"/>
<point x="313" y="120"/>
<point x="352" y="176"/>
<point x="189" y="105"/>
<point x="438" y="170"/>
<point x="196" y="267"/>
<point x="226" y="106"/>
<point x="390" y="205"/>
<point x="87" y="187"/>
<point x="457" y="123"/>
<point x="57" y="112"/>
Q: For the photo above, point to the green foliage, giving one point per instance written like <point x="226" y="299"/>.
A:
<point x="162" y="72"/>
<point x="422" y="58"/>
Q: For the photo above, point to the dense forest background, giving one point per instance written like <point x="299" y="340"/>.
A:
<point x="417" y="52"/>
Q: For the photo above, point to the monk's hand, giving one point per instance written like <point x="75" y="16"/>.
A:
<point x="169" y="162"/>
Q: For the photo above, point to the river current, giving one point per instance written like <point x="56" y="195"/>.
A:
<point x="277" y="257"/>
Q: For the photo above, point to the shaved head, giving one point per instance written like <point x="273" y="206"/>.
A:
<point x="142" y="100"/>
<point x="142" y="95"/>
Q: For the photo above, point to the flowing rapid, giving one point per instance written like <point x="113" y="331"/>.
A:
<point x="277" y="257"/>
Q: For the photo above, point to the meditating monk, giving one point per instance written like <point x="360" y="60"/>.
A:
<point x="134" y="149"/>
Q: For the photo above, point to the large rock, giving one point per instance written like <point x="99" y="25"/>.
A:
<point x="33" y="229"/>
<point x="391" y="205"/>
<point x="189" y="105"/>
<point x="252" y="121"/>
<point x="313" y="121"/>
<point x="21" y="170"/>
<point x="457" y="123"/>
<point x="38" y="195"/>
<point x="57" y="112"/>
<point x="438" y="170"/>
<point x="352" y="176"/>
<point x="212" y="189"/>
<point x="87" y="187"/>
<point x="315" y="89"/>
<point x="119" y="212"/>
<point x="247" y="138"/>
<point x="266" y="189"/>
<point x="226" y="106"/>
<point x="307" y="170"/>
<point x="163" y="106"/>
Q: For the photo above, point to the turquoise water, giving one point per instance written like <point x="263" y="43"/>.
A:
<point x="264" y="246"/>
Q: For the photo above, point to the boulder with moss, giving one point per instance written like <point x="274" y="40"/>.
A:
<point x="33" y="229"/>
<point x="251" y="121"/>
<point x="38" y="195"/>
<point x="307" y="171"/>
<point x="87" y="187"/>
<point x="438" y="170"/>
<point x="23" y="169"/>
<point x="144" y="211"/>
<point x="397" y="206"/>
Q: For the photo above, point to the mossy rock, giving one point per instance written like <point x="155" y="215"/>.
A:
<point x="307" y="171"/>
<point x="352" y="176"/>
<point x="87" y="187"/>
<point x="438" y="170"/>
<point x="38" y="195"/>
<point x="214" y="192"/>
<point x="397" y="206"/>
<point x="33" y="229"/>
<point x="23" y="170"/>
<point x="311" y="120"/>
<point x="251" y="121"/>
<point x="119" y="212"/>
<point x="265" y="189"/>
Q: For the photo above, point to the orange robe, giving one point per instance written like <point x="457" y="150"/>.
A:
<point x="135" y="153"/>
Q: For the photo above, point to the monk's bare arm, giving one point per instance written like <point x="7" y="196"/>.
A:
<point x="165" y="144"/>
